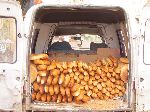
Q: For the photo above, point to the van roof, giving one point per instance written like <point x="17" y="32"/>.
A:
<point x="57" y="14"/>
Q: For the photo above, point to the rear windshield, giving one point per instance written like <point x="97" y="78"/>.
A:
<point x="7" y="40"/>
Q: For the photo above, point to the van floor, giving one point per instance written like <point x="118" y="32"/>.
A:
<point x="93" y="105"/>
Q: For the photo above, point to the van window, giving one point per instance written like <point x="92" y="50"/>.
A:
<point x="147" y="42"/>
<point x="81" y="42"/>
<point x="7" y="40"/>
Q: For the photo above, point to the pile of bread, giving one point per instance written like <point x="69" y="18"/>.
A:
<point x="77" y="81"/>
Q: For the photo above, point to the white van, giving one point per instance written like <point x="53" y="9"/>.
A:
<point x="123" y="25"/>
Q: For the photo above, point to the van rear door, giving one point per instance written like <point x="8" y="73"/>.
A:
<point x="143" y="92"/>
<point x="11" y="48"/>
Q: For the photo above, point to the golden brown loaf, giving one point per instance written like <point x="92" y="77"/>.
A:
<point x="33" y="72"/>
<point x="124" y="60"/>
<point x="124" y="73"/>
<point x="38" y="56"/>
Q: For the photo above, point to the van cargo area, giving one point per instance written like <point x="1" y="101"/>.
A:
<point x="88" y="64"/>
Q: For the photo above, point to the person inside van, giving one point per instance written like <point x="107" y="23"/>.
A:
<point x="60" y="45"/>
<point x="94" y="46"/>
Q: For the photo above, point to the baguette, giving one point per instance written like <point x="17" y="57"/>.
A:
<point x="33" y="72"/>
<point x="38" y="56"/>
<point x="124" y="60"/>
<point x="41" y="62"/>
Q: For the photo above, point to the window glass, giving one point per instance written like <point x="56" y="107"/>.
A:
<point x="7" y="40"/>
<point x="77" y="42"/>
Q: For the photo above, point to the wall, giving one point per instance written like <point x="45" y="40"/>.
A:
<point x="110" y="35"/>
<point x="43" y="37"/>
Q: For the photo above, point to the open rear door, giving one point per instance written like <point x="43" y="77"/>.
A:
<point x="143" y="93"/>
<point x="10" y="56"/>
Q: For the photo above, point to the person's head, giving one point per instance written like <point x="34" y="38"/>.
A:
<point x="61" y="39"/>
<point x="37" y="1"/>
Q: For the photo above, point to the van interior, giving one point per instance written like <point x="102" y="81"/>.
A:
<point x="84" y="34"/>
